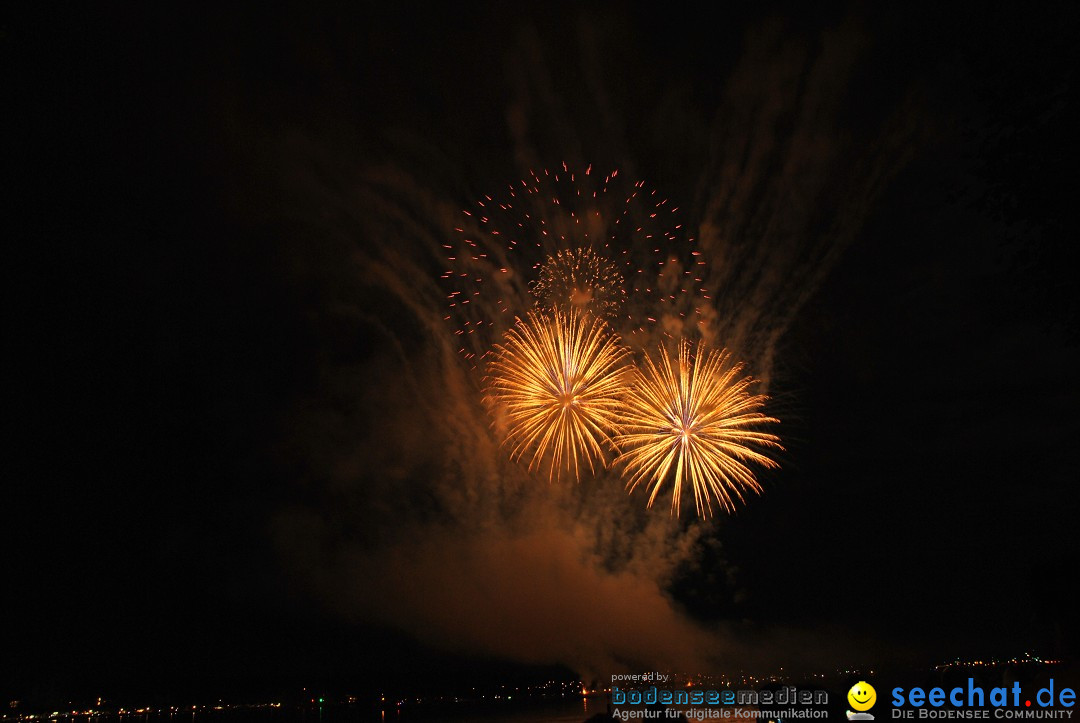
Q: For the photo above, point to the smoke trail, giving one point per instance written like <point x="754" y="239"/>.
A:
<point x="785" y="192"/>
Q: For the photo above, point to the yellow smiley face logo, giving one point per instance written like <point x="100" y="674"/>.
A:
<point x="862" y="696"/>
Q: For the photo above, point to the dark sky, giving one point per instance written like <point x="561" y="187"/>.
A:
<point x="169" y="315"/>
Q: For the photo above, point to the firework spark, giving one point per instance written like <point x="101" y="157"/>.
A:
<point x="559" y="377"/>
<point x="501" y="244"/>
<point x="581" y="279"/>
<point x="694" y="419"/>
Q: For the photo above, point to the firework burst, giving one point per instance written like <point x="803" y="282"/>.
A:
<point x="503" y="242"/>
<point x="559" y="378"/>
<point x="563" y="269"/>
<point x="580" y="279"/>
<point x="692" y="420"/>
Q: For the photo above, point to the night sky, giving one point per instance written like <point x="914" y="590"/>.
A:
<point x="212" y="387"/>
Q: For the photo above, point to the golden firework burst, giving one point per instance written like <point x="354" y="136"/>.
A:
<point x="559" y="378"/>
<point x="693" y="419"/>
<point x="581" y="279"/>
